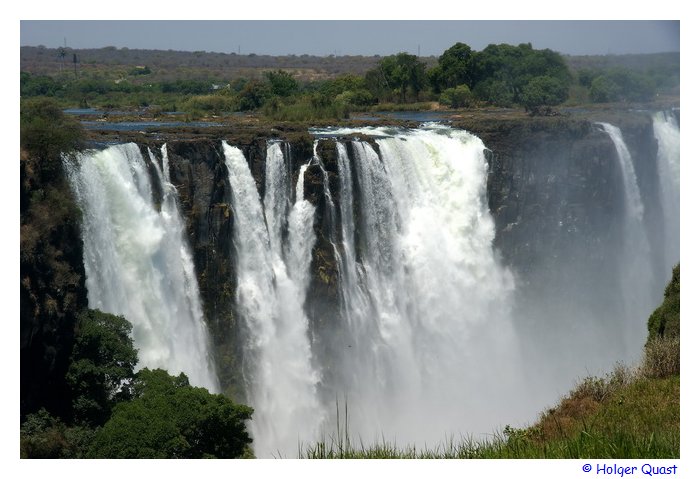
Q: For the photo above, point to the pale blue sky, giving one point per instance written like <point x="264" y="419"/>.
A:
<point x="382" y="37"/>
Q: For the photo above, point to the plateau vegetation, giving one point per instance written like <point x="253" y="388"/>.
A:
<point x="501" y="75"/>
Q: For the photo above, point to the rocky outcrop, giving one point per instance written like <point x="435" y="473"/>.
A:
<point x="52" y="286"/>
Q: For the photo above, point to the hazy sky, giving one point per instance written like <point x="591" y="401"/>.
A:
<point x="382" y="37"/>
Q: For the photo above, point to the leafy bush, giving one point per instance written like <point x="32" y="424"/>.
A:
<point x="253" y="95"/>
<point x="396" y="76"/>
<point x="281" y="83"/>
<point x="543" y="91"/>
<point x="171" y="419"/>
<point x="495" y="92"/>
<point x="314" y="107"/>
<point x="43" y="436"/>
<point x="45" y="133"/>
<point x="458" y="97"/>
<point x="38" y="85"/>
<point x="665" y="321"/>
<point x="102" y="366"/>
<point x="621" y="85"/>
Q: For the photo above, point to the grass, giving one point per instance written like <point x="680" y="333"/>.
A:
<point x="630" y="413"/>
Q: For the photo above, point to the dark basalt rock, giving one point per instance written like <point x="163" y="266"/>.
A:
<point x="52" y="287"/>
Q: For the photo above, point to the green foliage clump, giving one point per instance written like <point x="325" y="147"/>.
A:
<point x="457" y="97"/>
<point x="495" y="92"/>
<point x="168" y="418"/>
<point x="665" y="321"/>
<point x="38" y="85"/>
<point x="282" y="83"/>
<point x="543" y="91"/>
<point x="45" y="133"/>
<point x="43" y="436"/>
<point x="310" y="107"/>
<point x="253" y="95"/>
<point x="454" y="68"/>
<point x="119" y="414"/>
<point x="102" y="366"/>
<point x="502" y="72"/>
<point x="662" y="352"/>
<point x="396" y="76"/>
<point x="621" y="85"/>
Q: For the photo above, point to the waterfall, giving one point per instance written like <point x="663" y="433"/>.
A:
<point x="667" y="133"/>
<point x="137" y="262"/>
<point x="273" y="274"/>
<point x="635" y="261"/>
<point x="424" y="299"/>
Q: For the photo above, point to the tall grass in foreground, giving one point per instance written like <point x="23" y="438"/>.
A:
<point x="630" y="413"/>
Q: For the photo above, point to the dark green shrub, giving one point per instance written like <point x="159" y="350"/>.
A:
<point x="45" y="133"/>
<point x="458" y="97"/>
<point x="665" y="321"/>
<point x="102" y="366"/>
<point x="168" y="418"/>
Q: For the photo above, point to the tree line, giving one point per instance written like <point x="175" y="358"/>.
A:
<point x="500" y="75"/>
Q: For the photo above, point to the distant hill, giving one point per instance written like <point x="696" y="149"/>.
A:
<point x="637" y="62"/>
<point x="170" y="64"/>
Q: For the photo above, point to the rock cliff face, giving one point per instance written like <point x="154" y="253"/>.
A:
<point x="554" y="189"/>
<point x="52" y="286"/>
<point x="556" y="192"/>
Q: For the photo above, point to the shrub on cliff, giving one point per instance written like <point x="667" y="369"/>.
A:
<point x="665" y="321"/>
<point x="46" y="132"/>
<point x="662" y="352"/>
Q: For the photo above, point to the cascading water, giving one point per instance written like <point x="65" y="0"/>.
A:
<point x="667" y="133"/>
<point x="424" y="299"/>
<point x="137" y="263"/>
<point x="272" y="278"/>
<point x="636" y="270"/>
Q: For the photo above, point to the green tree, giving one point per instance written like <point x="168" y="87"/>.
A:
<point x="501" y="72"/>
<point x="282" y="83"/>
<point x="457" y="97"/>
<point x="495" y="92"/>
<point x="253" y="95"/>
<point x="102" y="366"/>
<point x="621" y="85"/>
<point x="543" y="91"/>
<point x="43" y="436"/>
<point x="168" y="418"/>
<point x="398" y="74"/>
<point x="454" y="68"/>
<point x="604" y="89"/>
